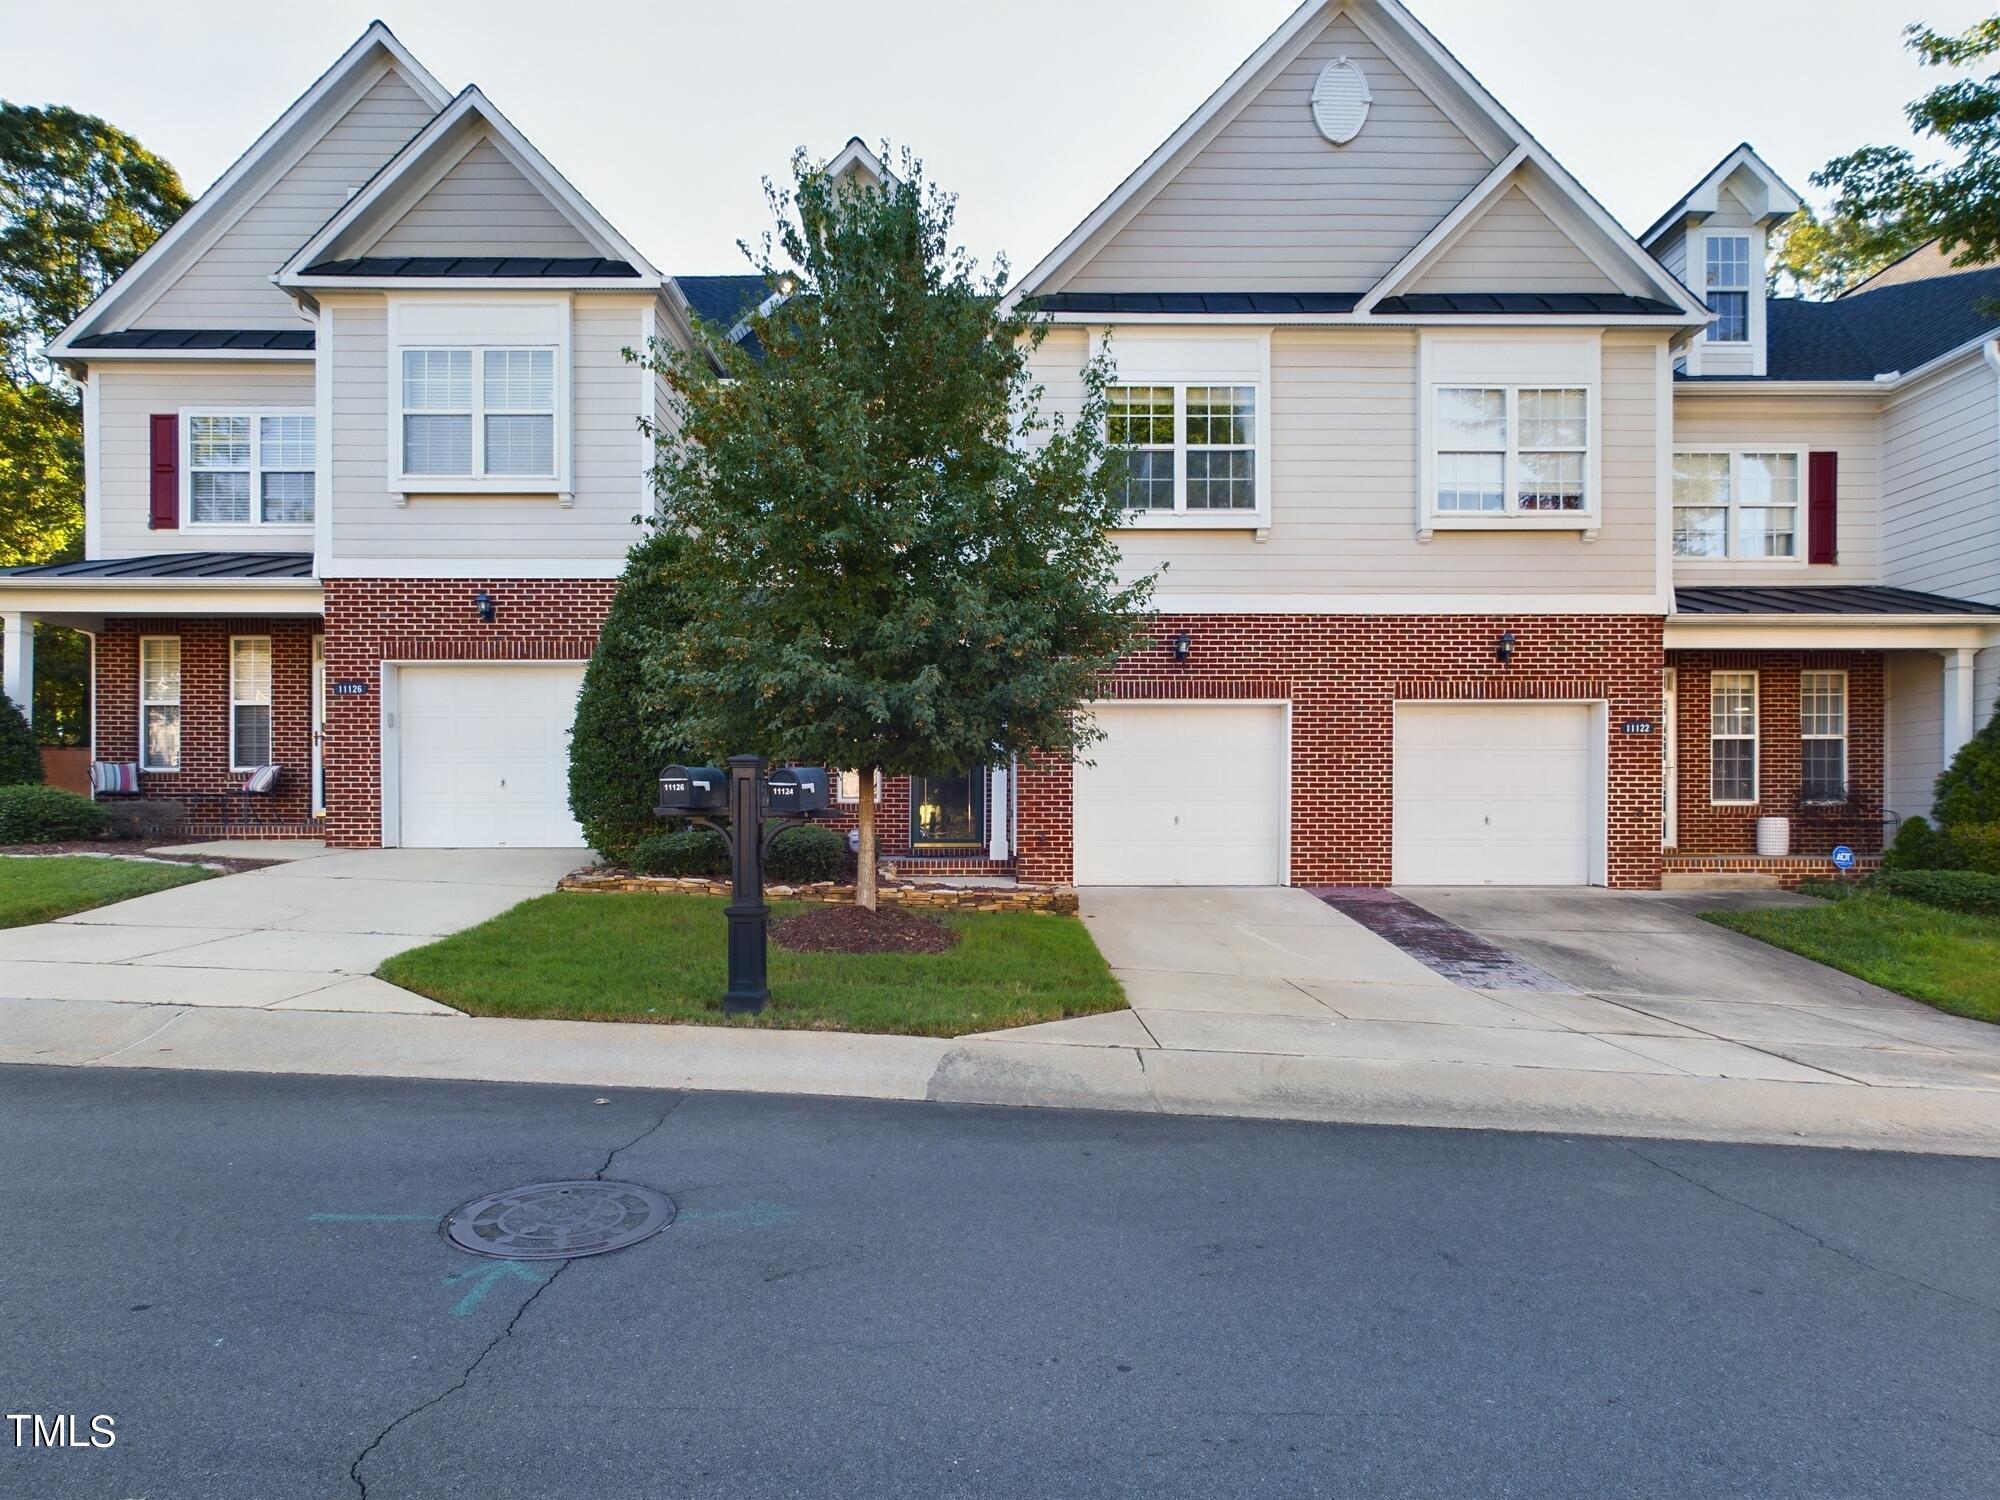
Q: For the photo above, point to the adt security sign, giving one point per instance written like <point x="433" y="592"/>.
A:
<point x="1843" y="857"/>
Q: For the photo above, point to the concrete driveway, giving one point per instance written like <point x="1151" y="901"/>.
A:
<point x="302" y="935"/>
<point x="1589" y="981"/>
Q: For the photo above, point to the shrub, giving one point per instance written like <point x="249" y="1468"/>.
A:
<point x="685" y="851"/>
<point x="614" y="766"/>
<point x="1829" y="890"/>
<point x="20" y="756"/>
<point x="1919" y="846"/>
<point x="1953" y="890"/>
<point x="1968" y="790"/>
<point x="801" y="855"/>
<point x="1978" y="846"/>
<point x="46" y="815"/>
<point x="142" y="818"/>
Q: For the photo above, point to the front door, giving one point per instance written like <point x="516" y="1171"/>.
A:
<point x="1670" y="763"/>
<point x="948" y="812"/>
<point x="319" y="727"/>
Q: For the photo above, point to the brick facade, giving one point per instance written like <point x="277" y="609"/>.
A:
<point x="1703" y="828"/>
<point x="1343" y="675"/>
<point x="204" y="783"/>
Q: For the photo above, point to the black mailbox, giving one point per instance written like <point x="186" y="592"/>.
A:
<point x="790" y="791"/>
<point x="692" y="789"/>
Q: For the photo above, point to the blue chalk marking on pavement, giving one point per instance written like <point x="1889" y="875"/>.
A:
<point x="482" y="1279"/>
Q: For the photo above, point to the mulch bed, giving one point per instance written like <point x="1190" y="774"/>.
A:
<point x="136" y="849"/>
<point x="853" y="929"/>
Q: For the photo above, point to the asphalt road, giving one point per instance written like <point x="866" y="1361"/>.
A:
<point x="863" y="1299"/>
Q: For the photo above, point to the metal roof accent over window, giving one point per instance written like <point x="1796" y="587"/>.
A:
<point x="1411" y="304"/>
<point x="1833" y="599"/>
<point x="497" y="267"/>
<point x="197" y="338"/>
<point x="1504" y="304"/>
<point x="1340" y="101"/>
<point x="239" y="566"/>
<point x="1196" y="302"/>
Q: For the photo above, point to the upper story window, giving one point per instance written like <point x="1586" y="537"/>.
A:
<point x="1726" y="263"/>
<point x="478" y="413"/>
<point x="1511" y="450"/>
<point x="1188" y="448"/>
<point x="248" y="469"/>
<point x="1737" y="505"/>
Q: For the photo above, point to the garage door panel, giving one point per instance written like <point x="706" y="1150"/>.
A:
<point x="483" y="755"/>
<point x="1493" y="794"/>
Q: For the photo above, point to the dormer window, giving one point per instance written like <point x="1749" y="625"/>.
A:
<point x="1727" y="267"/>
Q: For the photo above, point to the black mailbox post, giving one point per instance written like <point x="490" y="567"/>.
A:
<point x="758" y="808"/>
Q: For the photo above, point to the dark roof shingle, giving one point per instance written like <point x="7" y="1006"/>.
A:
<point x="197" y="338"/>
<point x="1889" y="330"/>
<point x="1821" y="599"/>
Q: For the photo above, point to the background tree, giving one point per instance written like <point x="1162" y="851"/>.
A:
<point x="902" y="563"/>
<point x="79" y="202"/>
<point x="1887" y="202"/>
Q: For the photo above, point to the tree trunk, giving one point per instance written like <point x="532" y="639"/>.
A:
<point x="864" y="854"/>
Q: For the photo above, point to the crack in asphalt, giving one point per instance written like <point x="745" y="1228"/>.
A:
<point x="1799" y="1229"/>
<point x="465" y="1379"/>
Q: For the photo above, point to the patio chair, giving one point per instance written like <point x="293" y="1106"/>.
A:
<point x="114" y="778"/>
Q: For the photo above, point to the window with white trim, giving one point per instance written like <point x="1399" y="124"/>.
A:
<point x="1726" y="275"/>
<point x="249" y="702"/>
<point x="1737" y="505"/>
<point x="1510" y="450"/>
<point x="1732" y="738"/>
<point x="477" y="413"/>
<point x="1823" y="737"/>
<point x="249" y="469"/>
<point x="1187" y="448"/>
<point x="160" y="703"/>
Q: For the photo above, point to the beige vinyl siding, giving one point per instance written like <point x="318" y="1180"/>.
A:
<point x="1344" y="483"/>
<point x="482" y="206"/>
<point x="1269" y="204"/>
<point x="229" y="286"/>
<point x="1730" y="214"/>
<point x="1514" y="247"/>
<point x="1847" y="425"/>
<point x="1673" y="253"/>
<point x="1940" y="444"/>
<point x="607" y="462"/>
<point x="1914" y="730"/>
<point x="128" y="395"/>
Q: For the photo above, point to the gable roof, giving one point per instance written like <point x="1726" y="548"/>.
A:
<point x="1864" y="335"/>
<point x="1456" y="92"/>
<point x="423" y="161"/>
<point x="1702" y="199"/>
<point x="374" y="52"/>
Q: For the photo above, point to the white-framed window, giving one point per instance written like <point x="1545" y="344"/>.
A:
<point x="249" y="702"/>
<point x="1510" y="450"/>
<point x="479" y="413"/>
<point x="160" y="703"/>
<point x="1726" y="276"/>
<point x="1732" y="738"/>
<point x="1823" y="737"/>
<point x="847" y="787"/>
<point x="1741" y="505"/>
<point x="1188" y="447"/>
<point x="248" y="468"/>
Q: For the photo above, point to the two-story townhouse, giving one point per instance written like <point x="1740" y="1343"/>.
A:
<point x="1474" y="510"/>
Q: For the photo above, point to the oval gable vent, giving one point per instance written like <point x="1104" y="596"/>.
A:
<point x="1340" y="101"/>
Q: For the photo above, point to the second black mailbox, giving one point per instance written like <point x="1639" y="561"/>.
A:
<point x="693" y="789"/>
<point x="791" y="790"/>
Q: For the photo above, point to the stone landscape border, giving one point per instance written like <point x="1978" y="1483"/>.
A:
<point x="1046" y="899"/>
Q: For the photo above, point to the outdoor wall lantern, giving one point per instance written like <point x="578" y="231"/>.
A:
<point x="483" y="602"/>
<point x="1504" y="652"/>
<point x="1183" y="646"/>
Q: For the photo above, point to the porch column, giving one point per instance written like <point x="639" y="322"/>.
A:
<point x="998" y="834"/>
<point x="17" y="670"/>
<point x="1960" y="714"/>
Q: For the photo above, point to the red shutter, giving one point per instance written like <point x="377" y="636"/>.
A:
<point x="1823" y="507"/>
<point x="166" y="472"/>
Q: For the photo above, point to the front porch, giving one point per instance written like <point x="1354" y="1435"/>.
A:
<point x="205" y="667"/>
<point x="1831" y="709"/>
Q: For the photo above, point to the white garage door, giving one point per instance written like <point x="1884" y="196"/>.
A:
<point x="1494" y="794"/>
<point x="483" y="758"/>
<point x="1183" y="795"/>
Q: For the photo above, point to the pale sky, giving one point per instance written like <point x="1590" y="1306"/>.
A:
<point x="666" y="115"/>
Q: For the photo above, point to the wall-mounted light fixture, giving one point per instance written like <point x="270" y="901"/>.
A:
<point x="483" y="602"/>
<point x="1504" y="652"/>
<point x="1183" y="646"/>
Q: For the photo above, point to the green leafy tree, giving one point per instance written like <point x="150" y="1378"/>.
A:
<point x="902" y="562"/>
<point x="1887" y="202"/>
<point x="1823" y="257"/>
<point x="1968" y="790"/>
<point x="20" y="756"/>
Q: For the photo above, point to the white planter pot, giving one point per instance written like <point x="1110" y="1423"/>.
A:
<point x="1774" y="837"/>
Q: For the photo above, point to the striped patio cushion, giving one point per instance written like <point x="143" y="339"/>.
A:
<point x="114" y="777"/>
<point x="262" y="779"/>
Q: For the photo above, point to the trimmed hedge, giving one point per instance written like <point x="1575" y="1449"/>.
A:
<point x="20" y="756"/>
<point x="1952" y="890"/>
<point x="685" y="851"/>
<point x="800" y="856"/>
<point x="46" y="815"/>
<point x="1919" y="846"/>
<point x="1978" y="847"/>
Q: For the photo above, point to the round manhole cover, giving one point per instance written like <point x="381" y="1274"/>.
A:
<point x="559" y="1220"/>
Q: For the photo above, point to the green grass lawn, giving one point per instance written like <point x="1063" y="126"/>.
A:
<point x="44" y="888"/>
<point x="600" y="956"/>
<point x="1944" y="958"/>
